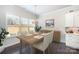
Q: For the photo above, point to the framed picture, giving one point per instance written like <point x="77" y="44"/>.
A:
<point x="49" y="23"/>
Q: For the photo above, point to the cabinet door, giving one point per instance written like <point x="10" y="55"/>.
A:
<point x="76" y="19"/>
<point x="68" y="40"/>
<point x="72" y="41"/>
<point x="69" y="20"/>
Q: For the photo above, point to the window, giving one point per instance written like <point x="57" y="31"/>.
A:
<point x="31" y="24"/>
<point x="24" y="24"/>
<point x="16" y="24"/>
<point x="12" y="20"/>
<point x="24" y="21"/>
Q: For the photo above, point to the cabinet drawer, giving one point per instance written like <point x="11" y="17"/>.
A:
<point x="73" y="44"/>
<point x="72" y="38"/>
<point x="68" y="38"/>
<point x="75" y="39"/>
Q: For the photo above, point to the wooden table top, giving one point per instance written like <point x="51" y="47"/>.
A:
<point x="31" y="39"/>
<point x="34" y="38"/>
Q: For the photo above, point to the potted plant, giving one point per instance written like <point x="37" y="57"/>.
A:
<point x="37" y="28"/>
<point x="3" y="34"/>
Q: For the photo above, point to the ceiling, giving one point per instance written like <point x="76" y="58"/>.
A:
<point x="41" y="9"/>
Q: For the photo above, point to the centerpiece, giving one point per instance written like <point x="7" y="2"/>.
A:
<point x="37" y="28"/>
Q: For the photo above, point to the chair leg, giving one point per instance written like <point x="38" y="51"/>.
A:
<point x="20" y="46"/>
<point x="43" y="52"/>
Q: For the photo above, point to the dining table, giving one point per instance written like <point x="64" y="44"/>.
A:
<point x="32" y="38"/>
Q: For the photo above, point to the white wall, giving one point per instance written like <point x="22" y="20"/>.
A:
<point x="59" y="16"/>
<point x="15" y="10"/>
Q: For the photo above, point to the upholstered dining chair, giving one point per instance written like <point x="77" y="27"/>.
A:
<point x="42" y="46"/>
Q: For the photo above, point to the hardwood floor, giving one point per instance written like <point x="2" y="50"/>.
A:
<point x="54" y="48"/>
<point x="61" y="48"/>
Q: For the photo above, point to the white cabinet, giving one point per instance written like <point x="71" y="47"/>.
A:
<point x="69" y="19"/>
<point x="72" y="41"/>
<point x="76" y="21"/>
<point x="72" y="19"/>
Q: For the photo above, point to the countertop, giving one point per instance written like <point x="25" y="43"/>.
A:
<point x="72" y="34"/>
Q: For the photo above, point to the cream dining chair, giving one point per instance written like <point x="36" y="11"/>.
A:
<point x="42" y="46"/>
